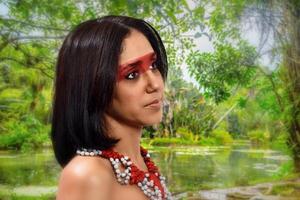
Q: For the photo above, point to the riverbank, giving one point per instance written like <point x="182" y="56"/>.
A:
<point x="279" y="190"/>
<point x="34" y="175"/>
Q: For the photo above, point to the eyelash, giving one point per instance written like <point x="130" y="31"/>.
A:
<point x="136" y="72"/>
<point x="131" y="73"/>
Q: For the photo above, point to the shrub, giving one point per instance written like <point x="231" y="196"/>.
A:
<point x="258" y="137"/>
<point x="207" y="141"/>
<point x="169" y="141"/>
<point x="222" y="137"/>
<point x="28" y="133"/>
<point x="185" y="134"/>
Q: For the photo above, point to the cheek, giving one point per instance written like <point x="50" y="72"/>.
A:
<point x="160" y="80"/>
<point x="128" y="97"/>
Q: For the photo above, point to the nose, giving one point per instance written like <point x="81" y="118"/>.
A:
<point x="152" y="81"/>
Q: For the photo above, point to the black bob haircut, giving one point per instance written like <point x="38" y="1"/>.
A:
<point x="86" y="73"/>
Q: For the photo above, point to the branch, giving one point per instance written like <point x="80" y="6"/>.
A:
<point x="278" y="97"/>
<point x="3" y="45"/>
<point x="36" y="38"/>
<point x="33" y="25"/>
<point x="2" y="59"/>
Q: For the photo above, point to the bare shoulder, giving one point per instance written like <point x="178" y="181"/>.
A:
<point x="85" y="178"/>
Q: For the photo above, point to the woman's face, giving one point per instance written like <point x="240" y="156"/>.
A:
<point x="138" y="95"/>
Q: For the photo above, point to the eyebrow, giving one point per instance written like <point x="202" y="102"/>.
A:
<point x="137" y="61"/>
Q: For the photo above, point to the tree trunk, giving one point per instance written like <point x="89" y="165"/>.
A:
<point x="291" y="56"/>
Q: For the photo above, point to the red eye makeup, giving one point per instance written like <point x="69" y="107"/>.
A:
<point x="139" y="65"/>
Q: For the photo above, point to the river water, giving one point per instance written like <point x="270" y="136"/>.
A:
<point x="186" y="169"/>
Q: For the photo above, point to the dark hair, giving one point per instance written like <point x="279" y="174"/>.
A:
<point x="86" y="74"/>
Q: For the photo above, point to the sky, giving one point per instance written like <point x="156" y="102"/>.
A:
<point x="3" y="10"/>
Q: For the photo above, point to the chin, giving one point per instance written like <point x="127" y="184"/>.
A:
<point x="152" y="120"/>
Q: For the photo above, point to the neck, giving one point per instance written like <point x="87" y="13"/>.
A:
<point x="129" y="136"/>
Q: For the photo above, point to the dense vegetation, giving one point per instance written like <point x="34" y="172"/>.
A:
<point x="236" y="97"/>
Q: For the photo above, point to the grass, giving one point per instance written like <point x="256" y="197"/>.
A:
<point x="205" y="141"/>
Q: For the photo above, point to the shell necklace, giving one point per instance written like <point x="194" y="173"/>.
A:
<point x="152" y="183"/>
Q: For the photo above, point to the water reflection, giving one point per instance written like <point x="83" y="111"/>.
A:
<point x="196" y="168"/>
<point x="18" y="169"/>
<point x="186" y="168"/>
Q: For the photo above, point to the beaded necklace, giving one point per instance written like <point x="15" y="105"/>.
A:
<point x="152" y="183"/>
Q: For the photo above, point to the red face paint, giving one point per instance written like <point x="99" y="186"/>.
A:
<point x="140" y="65"/>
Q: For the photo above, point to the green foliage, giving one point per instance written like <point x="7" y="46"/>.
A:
<point x="208" y="141"/>
<point x="13" y="196"/>
<point x="218" y="72"/>
<point x="285" y="171"/>
<point x="170" y="141"/>
<point x="185" y="134"/>
<point x="148" y="132"/>
<point x="258" y="137"/>
<point x="234" y="127"/>
<point x="222" y="137"/>
<point x="32" y="32"/>
<point x="187" y="107"/>
<point x="280" y="143"/>
<point x="26" y="134"/>
<point x="225" y="17"/>
<point x="288" y="189"/>
<point x="266" y="94"/>
<point x="202" y="141"/>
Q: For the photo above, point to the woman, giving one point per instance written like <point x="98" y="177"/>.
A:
<point x="109" y="84"/>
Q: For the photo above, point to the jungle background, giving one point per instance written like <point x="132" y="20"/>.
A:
<point x="232" y="111"/>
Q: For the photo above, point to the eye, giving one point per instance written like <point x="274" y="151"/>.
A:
<point x="132" y="75"/>
<point x="154" y="66"/>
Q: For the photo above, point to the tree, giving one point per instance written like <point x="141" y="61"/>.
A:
<point x="32" y="32"/>
<point x="219" y="71"/>
<point x="276" y="18"/>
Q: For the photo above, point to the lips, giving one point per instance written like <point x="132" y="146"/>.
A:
<point x="155" y="103"/>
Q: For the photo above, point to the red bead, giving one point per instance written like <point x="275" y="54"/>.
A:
<point x="138" y="175"/>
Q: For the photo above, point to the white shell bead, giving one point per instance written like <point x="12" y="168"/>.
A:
<point x="147" y="186"/>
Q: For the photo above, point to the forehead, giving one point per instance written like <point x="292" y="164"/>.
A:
<point x="134" y="46"/>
